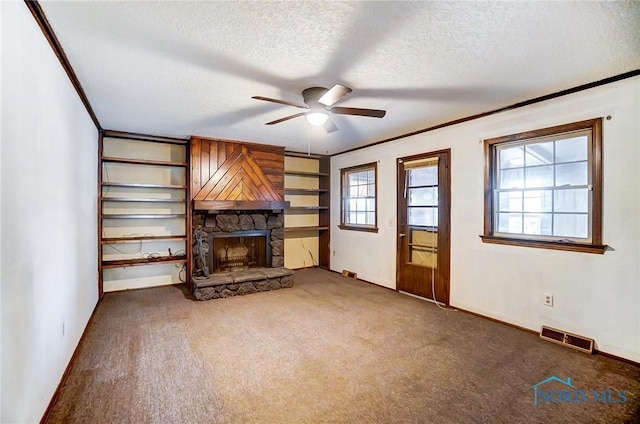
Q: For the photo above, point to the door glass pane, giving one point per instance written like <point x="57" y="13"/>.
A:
<point x="423" y="257"/>
<point x="427" y="175"/>
<point x="423" y="249"/>
<point x="427" y="196"/>
<point x="424" y="216"/>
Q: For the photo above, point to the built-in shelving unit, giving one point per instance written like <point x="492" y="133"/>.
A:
<point x="144" y="209"/>
<point x="307" y="219"/>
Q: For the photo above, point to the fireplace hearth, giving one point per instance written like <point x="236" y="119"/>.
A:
<point x="241" y="252"/>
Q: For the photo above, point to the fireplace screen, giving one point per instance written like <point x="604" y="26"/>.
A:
<point x="239" y="250"/>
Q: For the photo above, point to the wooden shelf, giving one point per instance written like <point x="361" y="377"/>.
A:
<point x="299" y="229"/>
<point x="304" y="190"/>
<point x="144" y="185"/>
<point x="142" y="216"/>
<point x="147" y="138"/>
<point x="143" y="162"/>
<point x="123" y="263"/>
<point x="138" y="199"/>
<point x="307" y="208"/>
<point x="115" y="240"/>
<point x="305" y="173"/>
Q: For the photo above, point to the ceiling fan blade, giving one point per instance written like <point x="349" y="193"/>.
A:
<point x="373" y="113"/>
<point x="330" y="126"/>
<point x="334" y="94"/>
<point x="282" y="102"/>
<point x="286" y="118"/>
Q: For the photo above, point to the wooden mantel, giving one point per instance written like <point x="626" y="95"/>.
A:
<point x="221" y="205"/>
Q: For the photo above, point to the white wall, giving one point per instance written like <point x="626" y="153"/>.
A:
<point x="595" y="295"/>
<point x="49" y="207"/>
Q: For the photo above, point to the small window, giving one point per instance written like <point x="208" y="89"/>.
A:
<point x="359" y="206"/>
<point x="543" y="188"/>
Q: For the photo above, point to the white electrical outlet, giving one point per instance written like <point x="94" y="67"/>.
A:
<point x="548" y="299"/>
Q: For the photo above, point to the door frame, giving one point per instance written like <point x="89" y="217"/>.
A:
<point x="444" y="221"/>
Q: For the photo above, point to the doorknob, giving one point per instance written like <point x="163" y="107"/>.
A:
<point x="401" y="234"/>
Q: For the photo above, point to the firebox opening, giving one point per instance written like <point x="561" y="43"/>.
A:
<point x="239" y="250"/>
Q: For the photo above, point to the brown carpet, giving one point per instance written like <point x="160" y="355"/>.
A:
<point x="328" y="350"/>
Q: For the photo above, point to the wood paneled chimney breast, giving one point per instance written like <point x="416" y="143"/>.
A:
<point x="228" y="175"/>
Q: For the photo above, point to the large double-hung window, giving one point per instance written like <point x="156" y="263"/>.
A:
<point x="543" y="188"/>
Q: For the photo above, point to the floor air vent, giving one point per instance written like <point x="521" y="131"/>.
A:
<point x="349" y="274"/>
<point x="583" y="344"/>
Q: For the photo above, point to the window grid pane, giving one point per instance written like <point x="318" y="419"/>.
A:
<point x="543" y="188"/>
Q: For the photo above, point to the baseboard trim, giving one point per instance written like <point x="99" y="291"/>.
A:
<point x="616" y="358"/>
<point x="508" y="324"/>
<point x="65" y="375"/>
<point x="305" y="267"/>
<point x="536" y="333"/>
<point x="145" y="288"/>
<point x="364" y="281"/>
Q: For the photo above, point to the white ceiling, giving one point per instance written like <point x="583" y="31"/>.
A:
<point x="182" y="68"/>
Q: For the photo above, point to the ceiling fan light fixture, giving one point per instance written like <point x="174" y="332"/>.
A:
<point x="317" y="118"/>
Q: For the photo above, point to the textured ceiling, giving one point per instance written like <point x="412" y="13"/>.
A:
<point x="182" y="68"/>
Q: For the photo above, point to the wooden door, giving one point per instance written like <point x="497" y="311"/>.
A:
<point x="424" y="225"/>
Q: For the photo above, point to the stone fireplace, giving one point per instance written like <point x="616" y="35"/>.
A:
<point x="237" y="217"/>
<point x="239" y="240"/>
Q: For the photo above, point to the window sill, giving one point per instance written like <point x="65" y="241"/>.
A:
<point x="354" y="228"/>
<point x="541" y="244"/>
